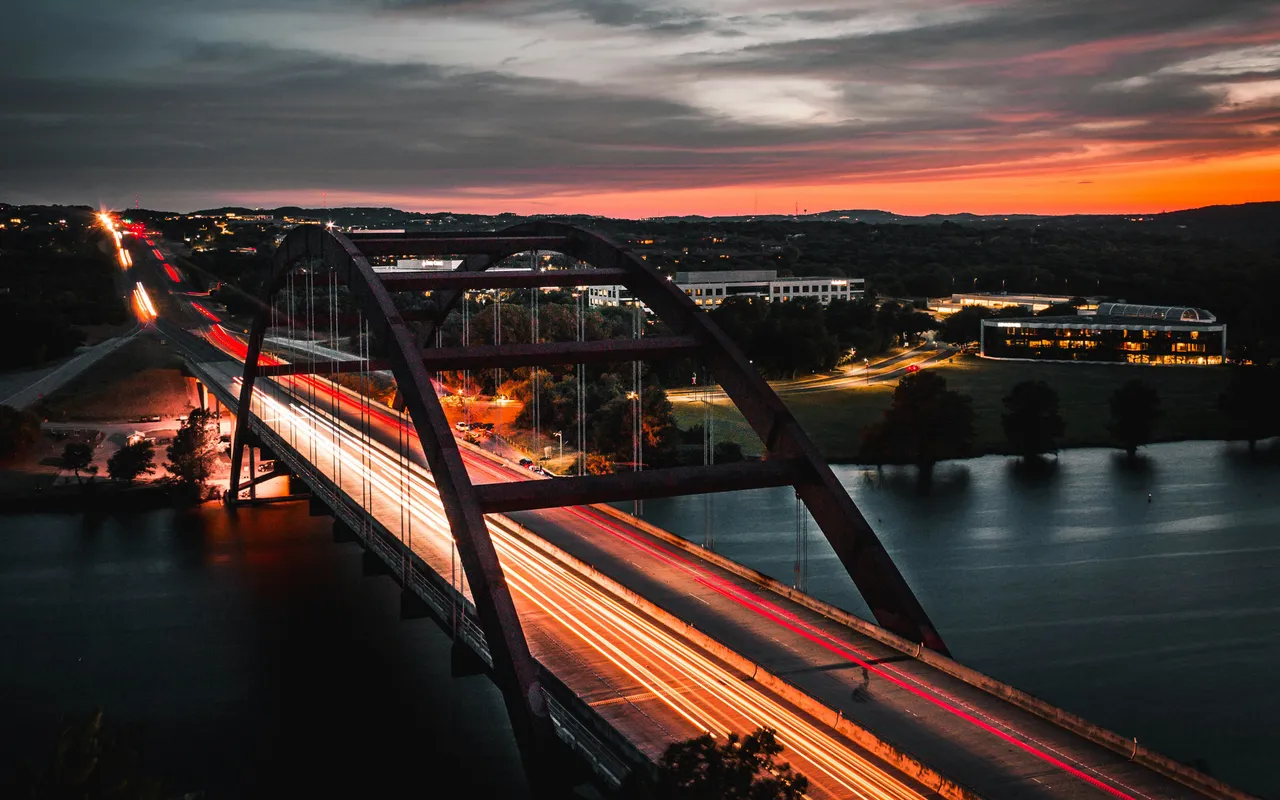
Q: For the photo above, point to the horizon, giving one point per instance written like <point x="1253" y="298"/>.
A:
<point x="644" y="108"/>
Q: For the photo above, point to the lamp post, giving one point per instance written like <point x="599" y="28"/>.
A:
<point x="866" y="367"/>
<point x="560" y="437"/>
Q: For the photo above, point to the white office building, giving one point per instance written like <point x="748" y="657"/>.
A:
<point x="710" y="289"/>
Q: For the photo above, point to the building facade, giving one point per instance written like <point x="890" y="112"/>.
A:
<point x="1115" y="333"/>
<point x="1032" y="303"/>
<point x="710" y="289"/>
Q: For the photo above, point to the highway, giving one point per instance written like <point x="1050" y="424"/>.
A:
<point x="653" y="682"/>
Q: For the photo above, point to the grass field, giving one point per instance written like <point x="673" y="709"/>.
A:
<point x="139" y="378"/>
<point x="835" y="419"/>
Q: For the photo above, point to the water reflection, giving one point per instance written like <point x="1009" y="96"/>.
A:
<point x="1104" y="585"/>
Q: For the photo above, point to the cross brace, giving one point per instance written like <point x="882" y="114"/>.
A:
<point x="496" y="498"/>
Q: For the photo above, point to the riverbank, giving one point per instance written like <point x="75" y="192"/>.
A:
<point x="100" y="495"/>
<point x="835" y="418"/>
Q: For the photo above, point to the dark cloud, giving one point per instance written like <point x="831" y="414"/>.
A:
<point x="99" y="105"/>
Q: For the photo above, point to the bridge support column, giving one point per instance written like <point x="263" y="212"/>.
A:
<point x="412" y="606"/>
<point x="371" y="565"/>
<point x="342" y="532"/>
<point x="463" y="661"/>
<point x="202" y="392"/>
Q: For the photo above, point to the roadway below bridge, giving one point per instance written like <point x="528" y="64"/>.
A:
<point x="656" y="685"/>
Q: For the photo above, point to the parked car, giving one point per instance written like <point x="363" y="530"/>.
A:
<point x="462" y="426"/>
<point x="526" y="462"/>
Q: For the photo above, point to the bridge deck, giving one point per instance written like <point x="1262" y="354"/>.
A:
<point x="987" y="744"/>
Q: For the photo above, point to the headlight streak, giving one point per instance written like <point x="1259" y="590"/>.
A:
<point x="632" y="644"/>
<point x="783" y="618"/>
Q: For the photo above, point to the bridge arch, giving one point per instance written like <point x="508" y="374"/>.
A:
<point x="514" y="668"/>
<point x="792" y="458"/>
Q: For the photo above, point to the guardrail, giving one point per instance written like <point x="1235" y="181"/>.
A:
<point x="577" y="725"/>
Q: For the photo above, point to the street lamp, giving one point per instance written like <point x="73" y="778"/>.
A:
<point x="866" y="366"/>
<point x="560" y="437"/>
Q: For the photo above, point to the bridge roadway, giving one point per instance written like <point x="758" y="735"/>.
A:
<point x="988" y="745"/>
<point x="655" y="685"/>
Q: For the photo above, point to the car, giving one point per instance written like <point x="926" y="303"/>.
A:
<point x="488" y="426"/>
<point x="538" y="470"/>
<point x="462" y="426"/>
<point x="151" y="418"/>
<point x="913" y="368"/>
<point x="526" y="462"/>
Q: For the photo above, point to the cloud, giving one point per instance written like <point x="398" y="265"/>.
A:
<point x="552" y="98"/>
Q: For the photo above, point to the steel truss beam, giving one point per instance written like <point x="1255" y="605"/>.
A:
<point x="515" y="671"/>
<point x="500" y="498"/>
<point x="496" y="245"/>
<point x="439" y="281"/>
<point x="599" y="351"/>
<point x="886" y="592"/>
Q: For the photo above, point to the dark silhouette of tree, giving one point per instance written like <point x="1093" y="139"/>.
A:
<point x="925" y="423"/>
<point x="743" y="768"/>
<point x="132" y="461"/>
<point x="1135" y="407"/>
<point x="91" y="763"/>
<point x="1250" y="402"/>
<point x="194" y="449"/>
<point x="1032" y="423"/>
<point x="19" y="429"/>
<point x="965" y="325"/>
<point x="76" y="456"/>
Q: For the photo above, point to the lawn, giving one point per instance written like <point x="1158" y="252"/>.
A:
<point x="834" y="419"/>
<point x="139" y="378"/>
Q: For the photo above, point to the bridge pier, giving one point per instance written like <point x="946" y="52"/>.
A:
<point x="342" y="532"/>
<point x="412" y="606"/>
<point x="372" y="566"/>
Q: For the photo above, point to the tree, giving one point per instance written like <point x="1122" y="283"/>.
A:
<point x="1250" y="402"/>
<point x="1135" y="407"/>
<point x="965" y="325"/>
<point x="77" y="456"/>
<point x="132" y="461"/>
<point x="194" y="449"/>
<point x="743" y="768"/>
<point x="925" y="423"/>
<point x="19" y="429"/>
<point x="1032" y="423"/>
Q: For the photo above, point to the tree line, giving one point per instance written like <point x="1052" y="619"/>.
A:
<point x="926" y="422"/>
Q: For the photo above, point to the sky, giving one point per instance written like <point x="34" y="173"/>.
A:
<point x="634" y="108"/>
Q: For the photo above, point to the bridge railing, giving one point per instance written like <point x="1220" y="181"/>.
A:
<point x="577" y="725"/>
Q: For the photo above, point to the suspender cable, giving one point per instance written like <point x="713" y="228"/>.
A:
<point x="466" y="342"/>
<point x="582" y="386"/>
<point x="637" y="405"/>
<point x="534" y="377"/>
<point x="708" y="458"/>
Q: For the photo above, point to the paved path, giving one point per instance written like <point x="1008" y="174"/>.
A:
<point x="22" y="393"/>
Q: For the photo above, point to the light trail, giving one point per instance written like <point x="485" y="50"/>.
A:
<point x="694" y="687"/>
<point x="746" y="599"/>
<point x="173" y="274"/>
<point x="146" y="311"/>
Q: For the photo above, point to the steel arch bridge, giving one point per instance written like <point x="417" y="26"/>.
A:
<point x="791" y="459"/>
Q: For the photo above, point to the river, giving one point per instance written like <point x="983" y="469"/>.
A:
<point x="253" y="659"/>
<point x="245" y="655"/>
<point x="1156" y="618"/>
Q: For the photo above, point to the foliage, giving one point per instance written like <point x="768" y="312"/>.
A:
<point x="91" y="763"/>
<point x="194" y="449"/>
<point x="58" y="278"/>
<point x="925" y="423"/>
<point x="965" y="325"/>
<point x="1032" y="423"/>
<point x="19" y="429"/>
<point x="743" y="768"/>
<point x="77" y="456"/>
<point x="1250" y="402"/>
<point x="784" y="340"/>
<point x="132" y="461"/>
<point x="1135" y="407"/>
